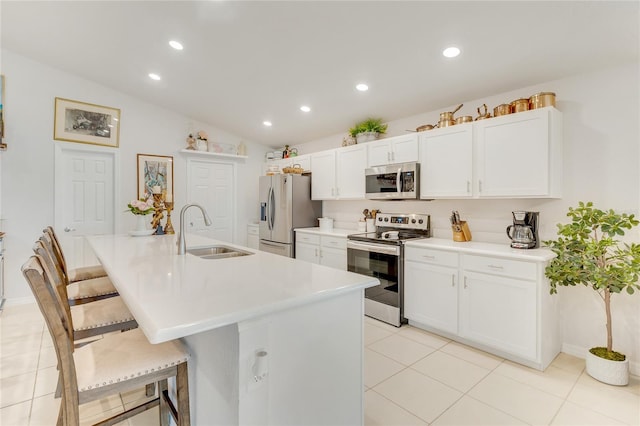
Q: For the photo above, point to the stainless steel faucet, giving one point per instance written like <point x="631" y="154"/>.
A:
<point x="182" y="245"/>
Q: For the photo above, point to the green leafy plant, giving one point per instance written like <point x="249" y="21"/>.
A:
<point x="368" y="125"/>
<point x="589" y="253"/>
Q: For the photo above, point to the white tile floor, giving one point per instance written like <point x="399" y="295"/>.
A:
<point x="411" y="378"/>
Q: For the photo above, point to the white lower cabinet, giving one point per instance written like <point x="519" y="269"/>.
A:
<point x="431" y="295"/>
<point x="497" y="304"/>
<point x="253" y="236"/>
<point x="322" y="249"/>
<point x="499" y="312"/>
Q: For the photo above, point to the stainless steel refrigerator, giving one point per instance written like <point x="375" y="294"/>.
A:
<point x="285" y="204"/>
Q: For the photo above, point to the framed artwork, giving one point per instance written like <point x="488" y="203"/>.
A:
<point x="155" y="175"/>
<point x="86" y="123"/>
<point x="3" y="144"/>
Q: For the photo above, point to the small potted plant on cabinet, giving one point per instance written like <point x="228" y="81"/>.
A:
<point x="368" y="130"/>
<point x="589" y="253"/>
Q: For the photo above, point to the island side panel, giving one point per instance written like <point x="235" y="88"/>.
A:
<point x="313" y="371"/>
<point x="213" y="376"/>
<point x="316" y="363"/>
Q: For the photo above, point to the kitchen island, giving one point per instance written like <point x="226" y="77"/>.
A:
<point x="273" y="340"/>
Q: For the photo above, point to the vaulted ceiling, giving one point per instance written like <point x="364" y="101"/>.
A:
<point x="246" y="62"/>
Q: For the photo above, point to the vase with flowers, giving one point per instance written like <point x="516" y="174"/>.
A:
<point x="140" y="208"/>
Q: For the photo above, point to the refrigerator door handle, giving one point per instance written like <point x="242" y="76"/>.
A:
<point x="268" y="209"/>
<point x="272" y="206"/>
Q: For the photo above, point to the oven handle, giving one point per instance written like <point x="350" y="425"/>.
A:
<point x="375" y="248"/>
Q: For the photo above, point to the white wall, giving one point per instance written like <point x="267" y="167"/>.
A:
<point x="601" y="157"/>
<point x="27" y="167"/>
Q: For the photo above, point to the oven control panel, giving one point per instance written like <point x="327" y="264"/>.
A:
<point x="404" y="221"/>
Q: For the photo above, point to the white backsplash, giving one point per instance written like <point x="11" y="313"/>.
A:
<point x="487" y="219"/>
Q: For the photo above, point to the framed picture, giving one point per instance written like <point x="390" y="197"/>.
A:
<point x="86" y="123"/>
<point x="3" y="144"/>
<point x="155" y="174"/>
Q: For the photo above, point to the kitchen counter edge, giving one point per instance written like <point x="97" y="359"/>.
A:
<point x="485" y="249"/>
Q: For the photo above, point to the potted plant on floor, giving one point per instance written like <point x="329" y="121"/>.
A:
<point x="368" y="130"/>
<point x="588" y="252"/>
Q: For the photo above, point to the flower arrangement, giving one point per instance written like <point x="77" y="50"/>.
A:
<point x="141" y="206"/>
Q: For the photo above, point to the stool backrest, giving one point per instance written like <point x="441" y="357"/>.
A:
<point x="56" y="247"/>
<point x="39" y="278"/>
<point x="56" y="277"/>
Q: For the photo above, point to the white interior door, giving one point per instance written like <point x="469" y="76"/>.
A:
<point x="84" y="198"/>
<point x="212" y="185"/>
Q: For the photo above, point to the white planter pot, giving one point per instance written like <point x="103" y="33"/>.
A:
<point x="366" y="137"/>
<point x="141" y="223"/>
<point x="609" y="372"/>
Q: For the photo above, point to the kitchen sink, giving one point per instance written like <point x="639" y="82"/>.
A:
<point x="217" y="252"/>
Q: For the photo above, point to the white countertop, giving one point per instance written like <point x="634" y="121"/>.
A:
<point x="174" y="296"/>
<point x="486" y="249"/>
<point x="335" y="232"/>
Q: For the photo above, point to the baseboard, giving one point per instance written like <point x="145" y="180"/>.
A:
<point x="579" y="352"/>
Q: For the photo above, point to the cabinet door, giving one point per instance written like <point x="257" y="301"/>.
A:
<point x="307" y="252"/>
<point x="334" y="258"/>
<point x="323" y="175"/>
<point x="404" y="149"/>
<point x="351" y="162"/>
<point x="378" y="153"/>
<point x="446" y="162"/>
<point x="431" y="295"/>
<point x="513" y="157"/>
<point x="499" y="312"/>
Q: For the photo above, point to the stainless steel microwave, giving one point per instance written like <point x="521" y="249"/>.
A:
<point x="393" y="182"/>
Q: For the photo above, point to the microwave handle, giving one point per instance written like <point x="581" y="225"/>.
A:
<point x="398" y="182"/>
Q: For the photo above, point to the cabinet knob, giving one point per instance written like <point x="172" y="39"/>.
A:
<point x="465" y="281"/>
<point x="468" y="187"/>
<point x="453" y="280"/>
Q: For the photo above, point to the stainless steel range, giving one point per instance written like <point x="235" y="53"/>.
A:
<point x="380" y="255"/>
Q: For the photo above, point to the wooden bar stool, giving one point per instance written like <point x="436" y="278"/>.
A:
<point x="79" y="291"/>
<point x="76" y="274"/>
<point x="117" y="363"/>
<point x="88" y="319"/>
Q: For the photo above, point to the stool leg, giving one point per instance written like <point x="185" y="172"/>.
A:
<point x="165" y="411"/>
<point x="182" y="389"/>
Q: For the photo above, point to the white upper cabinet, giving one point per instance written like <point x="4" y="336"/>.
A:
<point x="338" y="174"/>
<point x="399" y="149"/>
<point x="520" y="155"/>
<point x="323" y="175"/>
<point x="446" y="165"/>
<point x="512" y="156"/>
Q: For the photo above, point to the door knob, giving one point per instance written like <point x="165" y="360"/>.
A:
<point x="67" y="229"/>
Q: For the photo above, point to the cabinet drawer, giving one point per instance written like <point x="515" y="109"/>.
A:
<point x="498" y="266"/>
<point x="436" y="257"/>
<point x="307" y="238"/>
<point x="335" y="242"/>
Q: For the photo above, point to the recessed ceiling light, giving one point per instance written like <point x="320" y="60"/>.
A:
<point x="267" y="123"/>
<point x="305" y="108"/>
<point x="362" y="87"/>
<point x="153" y="76"/>
<point x="451" y="52"/>
<point x="176" y="45"/>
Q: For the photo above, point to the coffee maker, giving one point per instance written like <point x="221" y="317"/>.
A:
<point x="525" y="230"/>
